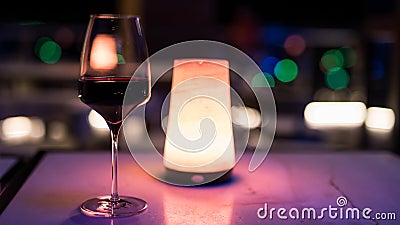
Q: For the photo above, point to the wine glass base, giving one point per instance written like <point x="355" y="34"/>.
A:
<point x="102" y="206"/>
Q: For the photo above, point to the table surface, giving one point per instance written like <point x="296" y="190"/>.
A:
<point x="294" y="181"/>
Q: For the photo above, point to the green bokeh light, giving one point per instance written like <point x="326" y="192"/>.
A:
<point x="31" y="23"/>
<point x="38" y="44"/>
<point x="349" y="55"/>
<point x="50" y="52"/>
<point x="337" y="78"/>
<point x="331" y="59"/>
<point x="286" y="70"/>
<point x="121" y="59"/>
<point x="263" y="80"/>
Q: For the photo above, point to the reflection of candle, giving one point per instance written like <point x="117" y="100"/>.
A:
<point x="104" y="53"/>
<point x="199" y="131"/>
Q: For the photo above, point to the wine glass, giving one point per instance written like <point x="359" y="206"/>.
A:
<point x="113" y="48"/>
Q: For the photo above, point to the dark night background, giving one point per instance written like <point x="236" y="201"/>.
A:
<point x="258" y="28"/>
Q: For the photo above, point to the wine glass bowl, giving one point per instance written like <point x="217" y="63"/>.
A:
<point x="114" y="47"/>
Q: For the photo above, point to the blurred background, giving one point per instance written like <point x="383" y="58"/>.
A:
<point x="332" y="66"/>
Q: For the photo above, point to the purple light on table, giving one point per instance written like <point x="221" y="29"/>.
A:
<point x="207" y="206"/>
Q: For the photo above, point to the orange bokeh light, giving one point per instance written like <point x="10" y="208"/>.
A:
<point x="104" y="53"/>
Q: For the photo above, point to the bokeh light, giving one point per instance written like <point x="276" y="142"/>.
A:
<point x="337" y="78"/>
<point x="58" y="130"/>
<point x="38" y="128"/>
<point x="22" y="129"/>
<point x="263" y="80"/>
<point x="349" y="56"/>
<point x="65" y="37"/>
<point x="121" y="59"/>
<point x="294" y="45"/>
<point x="246" y="117"/>
<point x="380" y="119"/>
<point x="96" y="121"/>
<point x="38" y="44"/>
<point x="286" y="70"/>
<point x="378" y="69"/>
<point x="323" y="115"/>
<point x="103" y="55"/>
<point x="331" y="59"/>
<point x="31" y="23"/>
<point x="50" y="52"/>
<point x="133" y="128"/>
<point x="16" y="127"/>
<point x="268" y="64"/>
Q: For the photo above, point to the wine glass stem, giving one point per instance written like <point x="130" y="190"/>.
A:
<point x="114" y="128"/>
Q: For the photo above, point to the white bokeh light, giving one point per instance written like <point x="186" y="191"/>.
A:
<point x="96" y="121"/>
<point x="16" y="127"/>
<point x="321" y="115"/>
<point x="380" y="119"/>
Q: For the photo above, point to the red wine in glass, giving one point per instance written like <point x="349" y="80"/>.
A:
<point x="106" y="94"/>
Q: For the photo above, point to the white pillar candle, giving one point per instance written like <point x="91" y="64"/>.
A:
<point x="199" y="132"/>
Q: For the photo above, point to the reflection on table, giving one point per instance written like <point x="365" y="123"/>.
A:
<point x="59" y="183"/>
